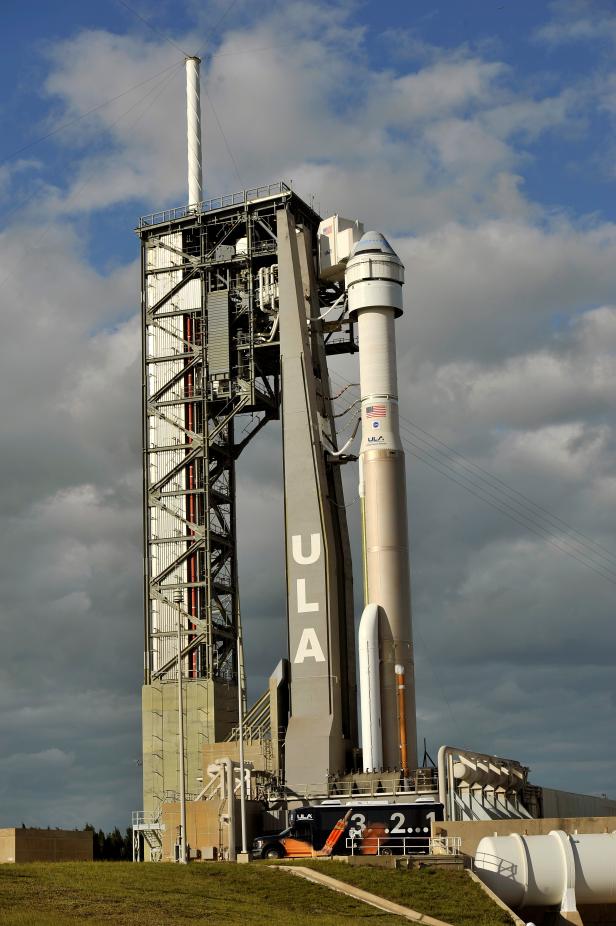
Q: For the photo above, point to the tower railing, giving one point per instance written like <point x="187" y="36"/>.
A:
<point x="217" y="202"/>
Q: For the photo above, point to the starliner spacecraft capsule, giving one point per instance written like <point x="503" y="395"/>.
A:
<point x="374" y="278"/>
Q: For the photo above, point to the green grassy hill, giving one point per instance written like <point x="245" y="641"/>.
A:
<point x="104" y="893"/>
<point x="444" y="894"/>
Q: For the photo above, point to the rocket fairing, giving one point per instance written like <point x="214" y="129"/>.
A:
<point x="374" y="278"/>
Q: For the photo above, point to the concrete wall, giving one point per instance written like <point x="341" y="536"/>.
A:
<point x="204" y="827"/>
<point x="33" y="845"/>
<point x="7" y="845"/>
<point x="253" y="753"/>
<point x="473" y="831"/>
<point x="568" y="804"/>
<point x="210" y="712"/>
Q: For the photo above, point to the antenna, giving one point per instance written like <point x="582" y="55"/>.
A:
<point x="193" y="130"/>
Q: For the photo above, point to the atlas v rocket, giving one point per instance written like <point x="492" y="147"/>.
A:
<point x="374" y="278"/>
<point x="320" y="735"/>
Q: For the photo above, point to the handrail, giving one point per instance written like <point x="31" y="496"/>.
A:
<point x="145" y="818"/>
<point x="423" y="781"/>
<point x="404" y="845"/>
<point x="218" y="202"/>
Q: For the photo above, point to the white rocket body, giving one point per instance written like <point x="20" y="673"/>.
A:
<point x="370" y="688"/>
<point x="374" y="278"/>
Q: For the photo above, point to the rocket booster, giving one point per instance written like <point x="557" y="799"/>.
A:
<point x="374" y="278"/>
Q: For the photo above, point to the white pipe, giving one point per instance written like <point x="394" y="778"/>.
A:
<point x="446" y="775"/>
<point x="558" y="868"/>
<point x="193" y="131"/>
<point x="241" y="737"/>
<point x="337" y="453"/>
<point x="333" y="305"/>
<point x="230" y="775"/>
<point x="370" y="688"/>
<point x="272" y="333"/>
<point x="183" y="842"/>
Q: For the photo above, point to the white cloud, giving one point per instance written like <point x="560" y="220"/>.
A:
<point x="433" y="141"/>
<point x="578" y="21"/>
<point x="439" y="89"/>
<point x="502" y="287"/>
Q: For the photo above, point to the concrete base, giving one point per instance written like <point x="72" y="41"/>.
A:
<point x="368" y="861"/>
<point x="402" y="861"/>
<point x="243" y="858"/>
<point x="210" y="713"/>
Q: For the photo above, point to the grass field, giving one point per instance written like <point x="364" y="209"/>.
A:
<point x="104" y="893"/>
<point x="447" y="895"/>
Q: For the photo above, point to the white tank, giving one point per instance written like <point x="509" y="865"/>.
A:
<point x="559" y="868"/>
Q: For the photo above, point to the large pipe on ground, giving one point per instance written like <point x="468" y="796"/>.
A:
<point x="374" y="278"/>
<point x="193" y="131"/>
<point x="542" y="871"/>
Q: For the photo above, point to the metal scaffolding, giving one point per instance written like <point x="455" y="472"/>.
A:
<point x="211" y="352"/>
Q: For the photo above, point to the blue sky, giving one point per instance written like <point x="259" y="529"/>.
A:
<point x="480" y="138"/>
<point x="563" y="169"/>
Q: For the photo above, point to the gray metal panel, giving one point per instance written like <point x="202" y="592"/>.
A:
<point x="218" y="333"/>
<point x="341" y="549"/>
<point x="315" y="745"/>
<point x="567" y="804"/>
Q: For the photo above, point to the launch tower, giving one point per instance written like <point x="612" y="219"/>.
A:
<point x="230" y="310"/>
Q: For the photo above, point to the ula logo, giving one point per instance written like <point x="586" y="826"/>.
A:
<point x="376" y="440"/>
<point x="309" y="646"/>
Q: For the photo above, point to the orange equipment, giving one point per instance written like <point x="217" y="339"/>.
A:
<point x="334" y="836"/>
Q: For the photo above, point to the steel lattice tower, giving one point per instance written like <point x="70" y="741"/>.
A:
<point x="211" y="352"/>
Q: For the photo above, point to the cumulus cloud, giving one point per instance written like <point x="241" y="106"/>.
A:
<point x="411" y="148"/>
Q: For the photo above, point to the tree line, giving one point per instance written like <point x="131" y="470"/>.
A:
<point x="113" y="846"/>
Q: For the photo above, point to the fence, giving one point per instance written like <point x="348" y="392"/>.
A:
<point x="404" y="845"/>
<point x="218" y="202"/>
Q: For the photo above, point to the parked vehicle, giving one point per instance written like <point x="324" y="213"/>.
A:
<point x="362" y="828"/>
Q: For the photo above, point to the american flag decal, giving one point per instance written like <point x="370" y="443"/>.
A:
<point x="376" y="411"/>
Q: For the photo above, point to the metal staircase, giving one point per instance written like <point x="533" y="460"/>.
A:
<point x="258" y="729"/>
<point x="147" y="830"/>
